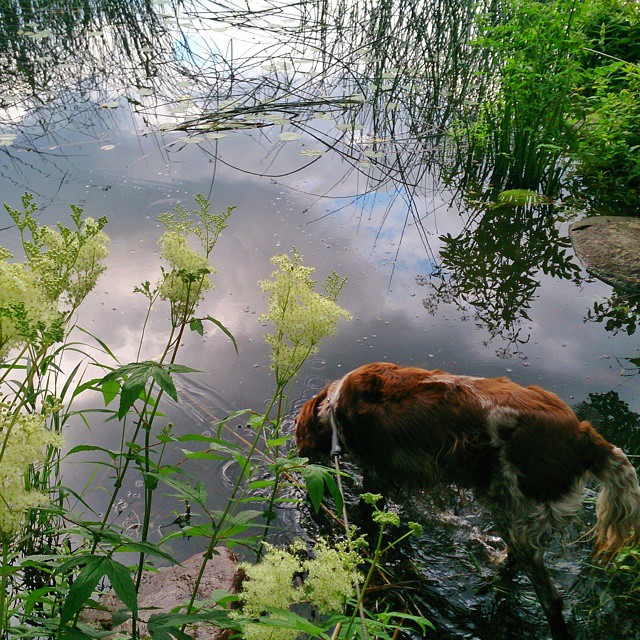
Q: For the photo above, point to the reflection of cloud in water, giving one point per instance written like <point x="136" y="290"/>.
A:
<point x="269" y="219"/>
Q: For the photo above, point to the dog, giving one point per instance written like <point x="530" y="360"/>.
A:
<point x="521" y="450"/>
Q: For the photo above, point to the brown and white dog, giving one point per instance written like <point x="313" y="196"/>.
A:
<point x="520" y="449"/>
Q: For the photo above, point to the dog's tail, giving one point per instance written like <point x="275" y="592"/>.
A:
<point x="618" y="508"/>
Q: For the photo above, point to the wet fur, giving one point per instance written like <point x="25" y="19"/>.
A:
<point x="520" y="449"/>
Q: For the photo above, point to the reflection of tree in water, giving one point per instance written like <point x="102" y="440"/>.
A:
<point x="377" y="83"/>
<point x="49" y="48"/>
<point x="492" y="266"/>
<point x="612" y="418"/>
<point x="619" y="312"/>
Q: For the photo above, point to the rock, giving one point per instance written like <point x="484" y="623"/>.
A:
<point x="609" y="248"/>
<point x="162" y="590"/>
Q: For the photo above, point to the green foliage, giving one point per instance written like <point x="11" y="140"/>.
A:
<point x="317" y="480"/>
<point x="93" y="568"/>
<point x="497" y="280"/>
<point x="619" y="312"/>
<point x="135" y="377"/>
<point x="609" y="139"/>
<point x="562" y="92"/>
<point x="518" y="137"/>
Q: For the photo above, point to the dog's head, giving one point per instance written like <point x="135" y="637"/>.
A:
<point x="313" y="430"/>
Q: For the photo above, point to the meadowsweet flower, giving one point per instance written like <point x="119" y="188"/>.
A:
<point x="329" y="582"/>
<point x="386" y="518"/>
<point x="201" y="223"/>
<point x="26" y="440"/>
<point x="270" y="582"/>
<point x="330" y="576"/>
<point x="66" y="262"/>
<point x="185" y="284"/>
<point x="26" y="313"/>
<point x="188" y="277"/>
<point x="302" y="316"/>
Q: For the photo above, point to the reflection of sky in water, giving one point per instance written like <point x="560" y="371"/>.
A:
<point x="143" y="176"/>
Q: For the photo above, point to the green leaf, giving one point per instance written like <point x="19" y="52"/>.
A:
<point x="147" y="548"/>
<point x="167" y="626"/>
<point x="334" y="490"/>
<point x="197" y="326"/>
<point x="165" y="382"/>
<point x="224" y="330"/>
<point x="110" y="389"/>
<point x="261" y="484"/>
<point x="134" y="385"/>
<point x="73" y="633"/>
<point x="41" y="596"/>
<point x="197" y="493"/>
<point x="314" y="479"/>
<point x="179" y="368"/>
<point x="91" y="447"/>
<point x="203" y="455"/>
<point x="83" y="586"/>
<point x="122" y="583"/>
<point x="283" y="619"/>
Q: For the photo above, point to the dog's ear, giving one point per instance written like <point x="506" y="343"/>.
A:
<point x="313" y="434"/>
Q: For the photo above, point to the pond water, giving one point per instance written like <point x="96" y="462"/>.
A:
<point x="354" y="184"/>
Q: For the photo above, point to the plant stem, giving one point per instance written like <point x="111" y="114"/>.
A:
<point x="231" y="502"/>
<point x="4" y="580"/>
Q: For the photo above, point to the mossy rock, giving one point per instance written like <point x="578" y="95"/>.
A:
<point x="609" y="248"/>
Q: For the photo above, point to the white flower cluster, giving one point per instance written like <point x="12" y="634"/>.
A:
<point x="187" y="280"/>
<point x="25" y="439"/>
<point x="26" y="314"/>
<point x="62" y="267"/>
<point x="302" y="316"/>
<point x="270" y="584"/>
<point x="68" y="265"/>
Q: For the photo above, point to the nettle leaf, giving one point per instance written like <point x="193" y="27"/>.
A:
<point x="197" y="326"/>
<point x="148" y="548"/>
<point x="110" y="390"/>
<point x="168" y="626"/>
<point x="165" y="382"/>
<point x="136" y="375"/>
<point x="83" y="586"/>
<point x="185" y="490"/>
<point x="122" y="583"/>
<point x="283" y="619"/>
<point x="179" y="368"/>
<point x="316" y="479"/>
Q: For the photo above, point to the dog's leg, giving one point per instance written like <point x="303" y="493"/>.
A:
<point x="530" y="560"/>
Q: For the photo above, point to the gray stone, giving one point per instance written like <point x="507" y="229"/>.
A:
<point x="162" y="590"/>
<point x="609" y="248"/>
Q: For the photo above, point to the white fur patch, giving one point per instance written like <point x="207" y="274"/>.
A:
<point x="332" y="400"/>
<point x="500" y="419"/>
